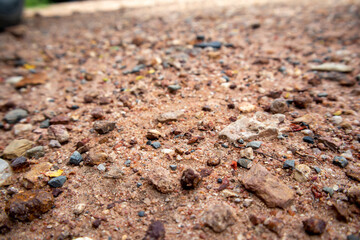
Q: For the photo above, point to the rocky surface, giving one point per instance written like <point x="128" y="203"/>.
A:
<point x="188" y="120"/>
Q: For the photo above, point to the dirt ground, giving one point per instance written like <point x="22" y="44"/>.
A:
<point x="83" y="72"/>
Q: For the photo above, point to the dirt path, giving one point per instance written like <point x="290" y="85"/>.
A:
<point x="124" y="125"/>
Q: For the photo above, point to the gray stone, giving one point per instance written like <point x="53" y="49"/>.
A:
<point x="279" y="106"/>
<point x="57" y="182"/>
<point x="340" y="161"/>
<point x="254" y="144"/>
<point x="245" y="163"/>
<point x="35" y="152"/>
<point x="317" y="169"/>
<point x="173" y="167"/>
<point x="45" y="123"/>
<point x="101" y="167"/>
<point x="174" y="88"/>
<point x="15" y="115"/>
<point x="54" y="144"/>
<point x="289" y="164"/>
<point x="329" y="190"/>
<point x="260" y="125"/>
<point x="155" y="145"/>
<point x="5" y="172"/>
<point x="75" y="158"/>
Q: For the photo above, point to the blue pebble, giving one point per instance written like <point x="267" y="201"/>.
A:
<point x="308" y="139"/>
<point x="156" y="145"/>
<point x="141" y="214"/>
<point x="57" y="182"/>
<point x="75" y="158"/>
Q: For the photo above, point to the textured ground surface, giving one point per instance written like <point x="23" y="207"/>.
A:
<point x="267" y="53"/>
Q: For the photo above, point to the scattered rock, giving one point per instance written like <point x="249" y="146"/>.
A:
<point x="29" y="205"/>
<point x="353" y="172"/>
<point x="261" y="125"/>
<point x="267" y="187"/>
<point x="97" y="113"/>
<point x="219" y="217"/>
<point x="354" y="194"/>
<point x="189" y="179"/>
<point x="329" y="190"/>
<point x="289" y="164"/>
<point x="153" y="134"/>
<point x="61" y="119"/>
<point x="308" y="139"/>
<point x="160" y="178"/>
<point x="214" y="161"/>
<point x="279" y="106"/>
<point x="245" y="163"/>
<point x="95" y="158"/>
<point x="75" y="158"/>
<point x="5" y="173"/>
<point x="247" y="153"/>
<point x="314" y="226"/>
<point x="59" y="133"/>
<point x="302" y="173"/>
<point x="274" y="224"/>
<point x="156" y="145"/>
<point x="103" y="127"/>
<point x="330" y="66"/>
<point x="340" y="161"/>
<point x="170" y="116"/>
<point x="54" y="144"/>
<point x="34" y="178"/>
<point x="20" y="128"/>
<point x="156" y="231"/>
<point x="19" y="163"/>
<point x="15" y="115"/>
<point x="254" y="144"/>
<point x="57" y="182"/>
<point x="35" y="152"/>
<point x="17" y="148"/>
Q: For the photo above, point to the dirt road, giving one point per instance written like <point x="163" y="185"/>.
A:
<point x="181" y="120"/>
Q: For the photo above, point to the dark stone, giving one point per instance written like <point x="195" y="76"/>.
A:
<point x="57" y="191"/>
<point x="96" y="223"/>
<point x="308" y="139"/>
<point x="173" y="167"/>
<point x="314" y="226"/>
<point x="57" y="182"/>
<point x="206" y="108"/>
<point x="45" y="123"/>
<point x="189" y="179"/>
<point x="141" y="214"/>
<point x="216" y="45"/>
<point x="156" y="231"/>
<point x="174" y="88"/>
<point x="103" y="127"/>
<point x="155" y="145"/>
<point x="19" y="163"/>
<point x="15" y="115"/>
<point x="245" y="163"/>
<point x="75" y="158"/>
<point x="340" y="161"/>
<point x="289" y="164"/>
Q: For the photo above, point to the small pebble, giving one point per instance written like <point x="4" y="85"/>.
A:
<point x="173" y="167"/>
<point x="317" y="169"/>
<point x="101" y="167"/>
<point x="54" y="144"/>
<point x="219" y="180"/>
<point x="127" y="163"/>
<point x="289" y="164"/>
<point x="45" y="123"/>
<point x="75" y="158"/>
<point x="329" y="190"/>
<point x="139" y="184"/>
<point x="155" y="145"/>
<point x="141" y="214"/>
<point x="308" y="139"/>
<point x="254" y="144"/>
<point x="340" y="161"/>
<point x="57" y="182"/>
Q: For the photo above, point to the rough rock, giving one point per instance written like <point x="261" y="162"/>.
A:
<point x="219" y="217"/>
<point x="95" y="158"/>
<point x="260" y="125"/>
<point x="353" y="194"/>
<point x="54" y="144"/>
<point x="19" y="163"/>
<point x="15" y="115"/>
<point x="156" y="231"/>
<point x="5" y="172"/>
<point x="57" y="182"/>
<point x="247" y="153"/>
<point x="35" y="152"/>
<point x="340" y="161"/>
<point x="153" y="134"/>
<point x="170" y="116"/>
<point x="75" y="158"/>
<point x="162" y="181"/>
<point x="29" y="205"/>
<point x="59" y="133"/>
<point x="20" y="128"/>
<point x="97" y="113"/>
<point x="246" y="107"/>
<point x="103" y="127"/>
<point x="189" y="179"/>
<point x="274" y="224"/>
<point x="330" y="66"/>
<point x="245" y="163"/>
<point x="279" y="106"/>
<point x="17" y="148"/>
<point x="34" y="178"/>
<point x="267" y="187"/>
<point x="314" y="226"/>
<point x="353" y="172"/>
<point x="302" y="173"/>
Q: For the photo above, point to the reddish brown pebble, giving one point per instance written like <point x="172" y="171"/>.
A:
<point x="314" y="226"/>
<point x="189" y="179"/>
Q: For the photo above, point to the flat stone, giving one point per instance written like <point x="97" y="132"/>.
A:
<point x="34" y="178"/>
<point x="302" y="173"/>
<point x="61" y="119"/>
<point x="26" y="206"/>
<point x="17" y="148"/>
<point x="353" y="172"/>
<point x="215" y="45"/>
<point x="254" y="144"/>
<point x="19" y="163"/>
<point x="268" y="187"/>
<point x="174" y="88"/>
<point x="54" y="144"/>
<point x="103" y="127"/>
<point x="20" y="128"/>
<point x="340" y="161"/>
<point x="219" y="217"/>
<point x="260" y="125"/>
<point x="15" y="115"/>
<point x="114" y="173"/>
<point x="245" y="163"/>
<point x="59" y="133"/>
<point x="289" y="164"/>
<point x="35" y="152"/>
<point x="75" y="158"/>
<point x="336" y="67"/>
<point x="162" y="181"/>
<point x="308" y="139"/>
<point x="170" y="116"/>
<point x="5" y="172"/>
<point x="57" y="182"/>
